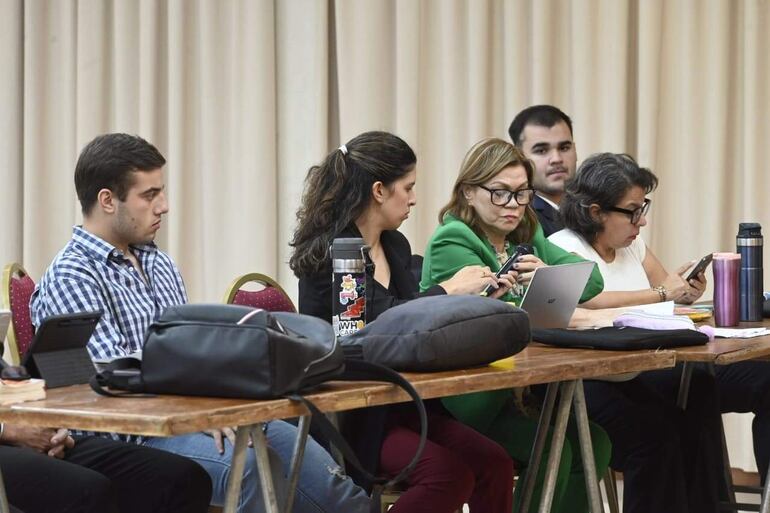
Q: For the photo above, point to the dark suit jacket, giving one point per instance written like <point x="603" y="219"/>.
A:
<point x="547" y="216"/>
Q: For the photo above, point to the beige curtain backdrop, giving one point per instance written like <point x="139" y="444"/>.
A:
<point x="243" y="96"/>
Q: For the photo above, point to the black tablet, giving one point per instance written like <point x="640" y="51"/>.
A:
<point x="58" y="353"/>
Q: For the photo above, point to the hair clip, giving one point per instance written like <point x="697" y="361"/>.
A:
<point x="344" y="149"/>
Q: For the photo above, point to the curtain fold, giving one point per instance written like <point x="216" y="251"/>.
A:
<point x="11" y="128"/>
<point x="305" y="111"/>
<point x="49" y="100"/>
<point x="243" y="96"/>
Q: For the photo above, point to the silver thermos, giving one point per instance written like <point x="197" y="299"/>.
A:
<point x="348" y="285"/>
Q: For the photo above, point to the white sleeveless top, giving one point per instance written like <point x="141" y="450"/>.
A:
<point x="625" y="273"/>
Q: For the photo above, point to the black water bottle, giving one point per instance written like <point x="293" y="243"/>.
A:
<point x="749" y="245"/>
<point x="348" y="285"/>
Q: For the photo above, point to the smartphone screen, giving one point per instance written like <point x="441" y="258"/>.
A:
<point x="700" y="267"/>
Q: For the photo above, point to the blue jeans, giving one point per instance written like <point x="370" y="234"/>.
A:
<point x="322" y="487"/>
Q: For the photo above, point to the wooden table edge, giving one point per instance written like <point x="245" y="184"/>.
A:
<point x="39" y="413"/>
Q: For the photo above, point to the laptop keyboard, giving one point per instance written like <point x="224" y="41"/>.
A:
<point x="65" y="368"/>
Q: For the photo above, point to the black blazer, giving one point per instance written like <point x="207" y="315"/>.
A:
<point x="547" y="216"/>
<point x="365" y="428"/>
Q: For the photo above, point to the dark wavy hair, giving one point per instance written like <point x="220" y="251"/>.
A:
<point x="602" y="179"/>
<point x="538" y="115"/>
<point x="109" y="162"/>
<point x="483" y="162"/>
<point x="338" y="190"/>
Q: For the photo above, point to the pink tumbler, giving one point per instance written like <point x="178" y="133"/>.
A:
<point x="727" y="268"/>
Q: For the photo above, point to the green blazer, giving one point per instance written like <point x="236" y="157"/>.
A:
<point x="455" y="245"/>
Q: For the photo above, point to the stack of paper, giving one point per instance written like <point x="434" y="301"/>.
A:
<point x="664" y="308"/>
<point x="20" y="391"/>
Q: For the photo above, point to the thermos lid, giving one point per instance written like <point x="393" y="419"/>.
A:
<point x="348" y="248"/>
<point x="749" y="231"/>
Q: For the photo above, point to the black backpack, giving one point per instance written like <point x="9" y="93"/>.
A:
<point x="237" y="351"/>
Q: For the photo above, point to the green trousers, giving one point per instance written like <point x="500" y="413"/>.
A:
<point x="494" y="414"/>
<point x="516" y="434"/>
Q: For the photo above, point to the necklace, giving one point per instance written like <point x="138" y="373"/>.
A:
<point x="502" y="256"/>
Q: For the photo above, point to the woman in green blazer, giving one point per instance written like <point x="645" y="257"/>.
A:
<point x="482" y="224"/>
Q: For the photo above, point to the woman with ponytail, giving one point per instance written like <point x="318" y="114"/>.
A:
<point x="365" y="188"/>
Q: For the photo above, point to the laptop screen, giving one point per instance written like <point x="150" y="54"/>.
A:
<point x="554" y="292"/>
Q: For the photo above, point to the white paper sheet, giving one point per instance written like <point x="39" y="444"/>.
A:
<point x="740" y="332"/>
<point x="665" y="308"/>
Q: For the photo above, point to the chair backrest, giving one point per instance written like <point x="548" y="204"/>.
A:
<point x="17" y="290"/>
<point x="271" y="297"/>
<point x="415" y="266"/>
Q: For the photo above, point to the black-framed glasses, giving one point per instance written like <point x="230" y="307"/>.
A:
<point x="635" y="214"/>
<point x="502" y="197"/>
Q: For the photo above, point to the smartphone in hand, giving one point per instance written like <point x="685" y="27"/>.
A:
<point x="521" y="249"/>
<point x="699" y="267"/>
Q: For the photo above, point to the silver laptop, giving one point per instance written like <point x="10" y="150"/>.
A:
<point x="554" y="293"/>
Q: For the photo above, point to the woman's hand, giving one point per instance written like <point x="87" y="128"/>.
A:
<point x="678" y="290"/>
<point x="525" y="267"/>
<point x="698" y="287"/>
<point x="470" y="280"/>
<point x="505" y="284"/>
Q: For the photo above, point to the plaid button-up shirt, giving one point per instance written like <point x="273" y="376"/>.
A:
<point x="91" y="274"/>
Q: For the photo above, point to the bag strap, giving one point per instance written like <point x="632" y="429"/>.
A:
<point x="359" y="370"/>
<point x="124" y="374"/>
<point x="128" y="379"/>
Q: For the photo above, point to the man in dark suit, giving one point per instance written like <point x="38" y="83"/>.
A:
<point x="544" y="134"/>
<point x="547" y="215"/>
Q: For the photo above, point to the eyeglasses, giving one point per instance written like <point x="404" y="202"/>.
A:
<point x="502" y="197"/>
<point x="635" y="214"/>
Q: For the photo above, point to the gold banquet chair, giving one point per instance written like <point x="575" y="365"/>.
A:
<point x="269" y="296"/>
<point x="17" y="289"/>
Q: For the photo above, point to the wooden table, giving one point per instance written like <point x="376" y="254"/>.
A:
<point x="725" y="351"/>
<point x="79" y="408"/>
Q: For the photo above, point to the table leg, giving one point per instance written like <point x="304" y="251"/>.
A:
<point x="259" y="440"/>
<point x="684" y="385"/>
<point x="611" y="486"/>
<point x="4" y="508"/>
<point x="728" y="476"/>
<point x="336" y="453"/>
<point x="586" y="448"/>
<point x="557" y="442"/>
<point x="765" y="504"/>
<point x="236" y="470"/>
<point x="296" y="460"/>
<point x="684" y="389"/>
<point x="537" y="447"/>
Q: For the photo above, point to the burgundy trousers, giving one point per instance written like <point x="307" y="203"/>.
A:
<point x="458" y="466"/>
